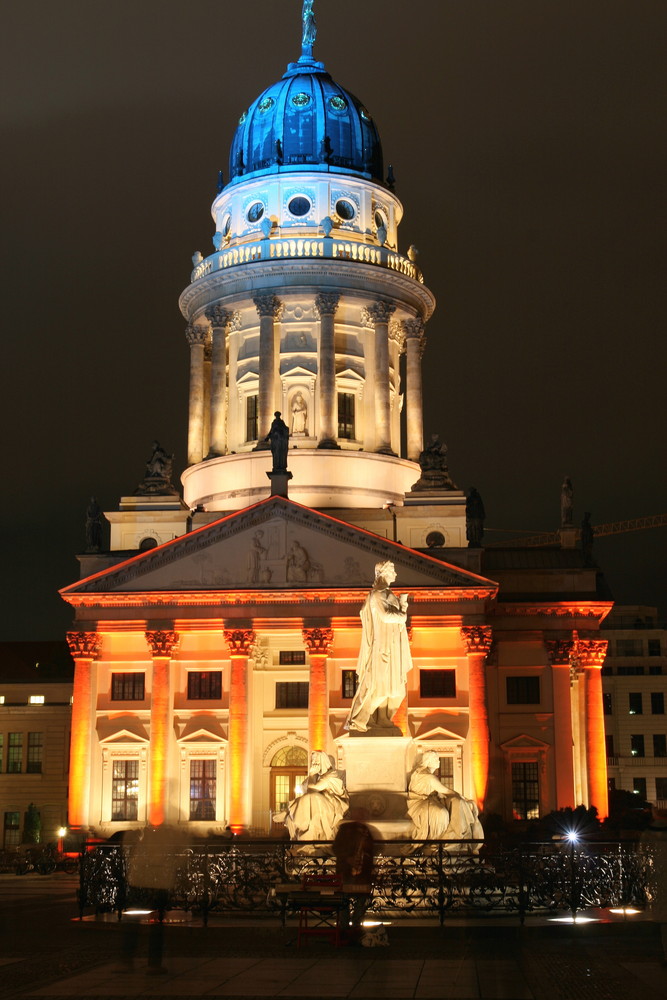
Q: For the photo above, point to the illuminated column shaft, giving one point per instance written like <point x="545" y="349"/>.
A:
<point x="559" y="652"/>
<point x="414" y="345"/>
<point x="269" y="308"/>
<point x="239" y="642"/>
<point x="318" y="642"/>
<point x="596" y="751"/>
<point x="206" y="430"/>
<point x="326" y="305"/>
<point x="162" y="645"/>
<point x="219" y="319"/>
<point x="381" y="313"/>
<point x="477" y="639"/>
<point x="84" y="647"/>
<point x="196" y="337"/>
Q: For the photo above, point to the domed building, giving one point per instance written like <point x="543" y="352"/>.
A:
<point x="216" y="643"/>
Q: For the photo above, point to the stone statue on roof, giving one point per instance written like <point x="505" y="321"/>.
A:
<point x="309" y="28"/>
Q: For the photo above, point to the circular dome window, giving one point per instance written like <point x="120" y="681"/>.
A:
<point x="299" y="206"/>
<point x="365" y="115"/>
<point x="435" y="539"/>
<point x="301" y="100"/>
<point x="337" y="102"/>
<point x="266" y="105"/>
<point x="345" y="209"/>
<point x="226" y="225"/>
<point x="255" y="212"/>
<point x="147" y="543"/>
<point x="380" y="219"/>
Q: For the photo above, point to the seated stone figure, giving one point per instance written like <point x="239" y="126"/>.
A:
<point x="438" y="812"/>
<point x="317" y="812"/>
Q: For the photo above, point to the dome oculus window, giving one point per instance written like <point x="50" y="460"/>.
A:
<point x="299" y="206"/>
<point x="365" y="115"/>
<point x="266" y="104"/>
<point x="226" y="225"/>
<point x="380" y="220"/>
<point x="338" y="103"/>
<point x="345" y="209"/>
<point x="255" y="212"/>
<point x="301" y="100"/>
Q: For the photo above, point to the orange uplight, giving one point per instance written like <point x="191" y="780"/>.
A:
<point x="401" y="716"/>
<point x="238" y="743"/>
<point x="479" y="726"/>
<point x="159" y="740"/>
<point x="318" y="702"/>
<point x="596" y="751"/>
<point x="79" y="773"/>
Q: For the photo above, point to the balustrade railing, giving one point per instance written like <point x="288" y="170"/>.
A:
<point x="412" y="878"/>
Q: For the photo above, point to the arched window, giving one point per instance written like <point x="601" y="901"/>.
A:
<point x="289" y="769"/>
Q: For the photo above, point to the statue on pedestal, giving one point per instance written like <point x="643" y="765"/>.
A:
<point x="438" y="812"/>
<point x="278" y="438"/>
<point x="159" y="469"/>
<point x="433" y="463"/>
<point x="384" y="658"/>
<point x="475" y="516"/>
<point x="566" y="503"/>
<point x="93" y="526"/>
<point x="317" y="812"/>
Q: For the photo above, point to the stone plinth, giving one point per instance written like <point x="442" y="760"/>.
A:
<point x="376" y="777"/>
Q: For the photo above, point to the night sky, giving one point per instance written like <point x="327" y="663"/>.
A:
<point x="528" y="143"/>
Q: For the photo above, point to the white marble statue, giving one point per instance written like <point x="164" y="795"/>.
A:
<point x="438" y="812"/>
<point x="384" y="658"/>
<point x="317" y="812"/>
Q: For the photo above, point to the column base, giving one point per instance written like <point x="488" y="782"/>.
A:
<point x="329" y="443"/>
<point x="279" y="481"/>
<point x="386" y="450"/>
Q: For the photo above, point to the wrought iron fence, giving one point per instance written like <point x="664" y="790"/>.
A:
<point x="411" y="877"/>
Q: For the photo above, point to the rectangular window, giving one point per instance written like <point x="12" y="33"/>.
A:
<point x="35" y="748"/>
<point x="659" y="745"/>
<point x="251" y="418"/>
<point x="15" y="753"/>
<point x="346" y="416"/>
<point x="657" y="703"/>
<point x="349" y="683"/>
<point x="525" y="790"/>
<point x="12" y="830"/>
<point x="609" y="744"/>
<point x="661" y="788"/>
<point x="655" y="670"/>
<point x="292" y="657"/>
<point x="635" y="706"/>
<point x="654" y="647"/>
<point x="437" y="683"/>
<point x="36" y="699"/>
<point x="606" y="703"/>
<point x="446" y="770"/>
<point x="629" y="647"/>
<point x="292" y="694"/>
<point x="125" y="790"/>
<point x="611" y="785"/>
<point x="630" y="671"/>
<point x="639" y="787"/>
<point x="637" y="745"/>
<point x="523" y="691"/>
<point x="202" y="789"/>
<point x="127" y="687"/>
<point x="204" y="685"/>
<point x="607" y="671"/>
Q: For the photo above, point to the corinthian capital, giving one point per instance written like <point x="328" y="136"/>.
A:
<point x="195" y="334"/>
<point x="326" y="303"/>
<point x="162" y="643"/>
<point x="239" y="640"/>
<point x="381" y="312"/>
<point x="318" y="640"/>
<point x="477" y="638"/>
<point x="217" y="316"/>
<point x="84" y="645"/>
<point x="413" y="328"/>
<point x="268" y="305"/>
<point x="589" y="652"/>
<point x="559" y="651"/>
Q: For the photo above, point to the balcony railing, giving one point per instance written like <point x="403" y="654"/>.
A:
<point x="315" y="247"/>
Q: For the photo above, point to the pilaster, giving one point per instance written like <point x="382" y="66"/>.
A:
<point x="84" y="647"/>
<point x="162" y="645"/>
<point x="239" y="642"/>
<point x="477" y="640"/>
<point x="319" y="642"/>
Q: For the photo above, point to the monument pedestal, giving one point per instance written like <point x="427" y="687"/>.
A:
<point x="376" y="777"/>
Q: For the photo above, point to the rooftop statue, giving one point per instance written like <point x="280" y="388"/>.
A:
<point x="278" y="438"/>
<point x="566" y="503"/>
<point x="93" y="526"/>
<point x="159" y="470"/>
<point x="433" y="463"/>
<point x="384" y="658"/>
<point x="438" y="812"/>
<point x="316" y="813"/>
<point x="309" y="28"/>
<point x="475" y="516"/>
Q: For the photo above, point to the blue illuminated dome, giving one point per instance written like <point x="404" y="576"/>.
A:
<point x="306" y="121"/>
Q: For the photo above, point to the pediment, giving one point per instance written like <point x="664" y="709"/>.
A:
<point x="439" y="734"/>
<point x="524" y="742"/>
<point x="276" y="545"/>
<point x="121" y="729"/>
<point x="202" y="729"/>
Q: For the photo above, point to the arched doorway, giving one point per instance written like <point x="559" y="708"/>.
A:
<point x="289" y="769"/>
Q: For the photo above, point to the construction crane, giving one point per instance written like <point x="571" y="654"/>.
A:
<point x="613" y="528"/>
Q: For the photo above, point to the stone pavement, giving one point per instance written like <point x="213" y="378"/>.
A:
<point x="487" y="961"/>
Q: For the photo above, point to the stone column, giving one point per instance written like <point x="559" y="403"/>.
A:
<point x="84" y="647"/>
<point x="196" y="337"/>
<point x="318" y="642"/>
<point x="239" y="643"/>
<point x="161" y="645"/>
<point x="326" y="304"/>
<point x="219" y="319"/>
<point x="269" y="308"/>
<point x="380" y="314"/>
<point x="590" y="654"/>
<point x="414" y="348"/>
<point x="477" y="641"/>
<point x="559" y="652"/>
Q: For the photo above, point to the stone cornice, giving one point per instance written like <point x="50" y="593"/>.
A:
<point x="596" y="610"/>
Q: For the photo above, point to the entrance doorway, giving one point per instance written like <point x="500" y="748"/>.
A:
<point x="289" y="769"/>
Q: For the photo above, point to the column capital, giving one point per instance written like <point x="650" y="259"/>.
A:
<point x="84" y="645"/>
<point x="162" y="644"/>
<point x="588" y="652"/>
<point x="381" y="312"/>
<point x="414" y="328"/>
<point x="268" y="305"/>
<point x="318" y="640"/>
<point x="559" y="651"/>
<point x="195" y="334"/>
<point x="239" y="640"/>
<point x="326" y="303"/>
<point x="477" y="639"/>
<point x="218" y="317"/>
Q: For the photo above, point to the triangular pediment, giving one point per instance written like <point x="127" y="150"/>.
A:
<point x="121" y="729"/>
<point x="277" y="545"/>
<point x="524" y="742"/>
<point x="439" y="734"/>
<point x="202" y="729"/>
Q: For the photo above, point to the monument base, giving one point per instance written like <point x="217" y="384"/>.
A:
<point x="376" y="777"/>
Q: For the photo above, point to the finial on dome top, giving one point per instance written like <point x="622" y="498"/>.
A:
<point x="309" y="29"/>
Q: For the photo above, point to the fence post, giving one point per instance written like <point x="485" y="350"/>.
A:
<point x="441" y="884"/>
<point x="207" y="882"/>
